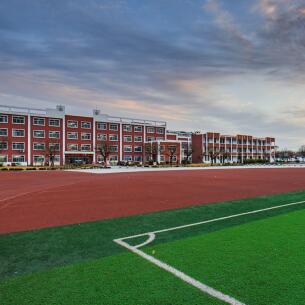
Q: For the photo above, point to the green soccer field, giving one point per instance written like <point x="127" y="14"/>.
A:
<point x="251" y="250"/>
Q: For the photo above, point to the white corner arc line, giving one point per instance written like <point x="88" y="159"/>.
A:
<point x="151" y="237"/>
<point x="184" y="277"/>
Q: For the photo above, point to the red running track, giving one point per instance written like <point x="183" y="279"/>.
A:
<point x="32" y="200"/>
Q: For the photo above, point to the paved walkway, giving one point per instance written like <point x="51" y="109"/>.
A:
<point x="131" y="169"/>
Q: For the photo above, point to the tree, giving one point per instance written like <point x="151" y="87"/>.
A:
<point x="50" y="152"/>
<point x="224" y="156"/>
<point x="213" y="154"/>
<point x="104" y="149"/>
<point x="188" y="151"/>
<point x="151" y="151"/>
<point x="301" y="152"/>
<point x="3" y="146"/>
<point x="171" y="151"/>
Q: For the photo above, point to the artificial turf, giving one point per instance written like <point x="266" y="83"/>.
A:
<point x="40" y="250"/>
<point x="260" y="262"/>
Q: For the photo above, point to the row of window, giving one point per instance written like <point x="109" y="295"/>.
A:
<point x="74" y="124"/>
<point x="36" y="146"/>
<point x="83" y="147"/>
<point x="114" y="137"/>
<point x="234" y="142"/>
<point x="112" y="148"/>
<point x="36" y="133"/>
<point x="21" y="158"/>
<point x="19" y="119"/>
<point x="74" y="135"/>
<point x="129" y="128"/>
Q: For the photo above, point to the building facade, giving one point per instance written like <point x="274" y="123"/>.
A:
<point x="213" y="147"/>
<point x="34" y="136"/>
<point x="26" y="136"/>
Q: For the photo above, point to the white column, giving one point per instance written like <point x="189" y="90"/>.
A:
<point x="158" y="152"/>
<point x="121" y="142"/>
<point x="94" y="141"/>
<point x="29" y="140"/>
<point x="64" y="140"/>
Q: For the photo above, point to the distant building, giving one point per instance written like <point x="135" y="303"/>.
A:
<point x="213" y="147"/>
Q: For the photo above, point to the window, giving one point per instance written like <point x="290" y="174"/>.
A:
<point x="138" y="148"/>
<point x="3" y="118"/>
<point x="138" y="128"/>
<point x="150" y="129"/>
<point x="127" y="158"/>
<point x="54" y="146"/>
<point x="18" y="159"/>
<point x="72" y="147"/>
<point x="18" y="132"/>
<point x="3" y="145"/>
<point x="3" y="158"/>
<point x="54" y="134"/>
<point x="162" y="148"/>
<point x="86" y="125"/>
<point x="56" y="159"/>
<point x="113" y="158"/>
<point x="113" y="148"/>
<point x="72" y="135"/>
<point x="174" y="158"/>
<point x="39" y="146"/>
<point x="101" y="126"/>
<point x="72" y="124"/>
<point x="113" y="137"/>
<point x="127" y="128"/>
<point x="18" y="146"/>
<point x="162" y="158"/>
<point x="39" y="121"/>
<point x="38" y="133"/>
<point x="138" y="158"/>
<point x="3" y="131"/>
<point x="127" y="148"/>
<point x="18" y="119"/>
<point x="54" y="122"/>
<point x="38" y="159"/>
<point x="86" y="136"/>
<point x="113" y="127"/>
<point x="86" y="147"/>
<point x="149" y="139"/>
<point x="127" y="138"/>
<point x="138" y="138"/>
<point x="101" y="137"/>
<point x="160" y="130"/>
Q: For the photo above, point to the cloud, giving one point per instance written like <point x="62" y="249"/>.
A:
<point x="116" y="56"/>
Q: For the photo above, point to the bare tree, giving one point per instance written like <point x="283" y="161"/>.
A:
<point x="188" y="151"/>
<point x="50" y="152"/>
<point x="151" y="151"/>
<point x="224" y="156"/>
<point x="301" y="152"/>
<point x="213" y="154"/>
<point x="3" y="144"/>
<point x="171" y="152"/>
<point x="104" y="149"/>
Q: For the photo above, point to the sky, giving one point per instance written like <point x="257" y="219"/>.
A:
<point x="229" y="66"/>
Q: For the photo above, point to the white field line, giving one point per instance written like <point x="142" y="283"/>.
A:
<point x="184" y="277"/>
<point x="213" y="220"/>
